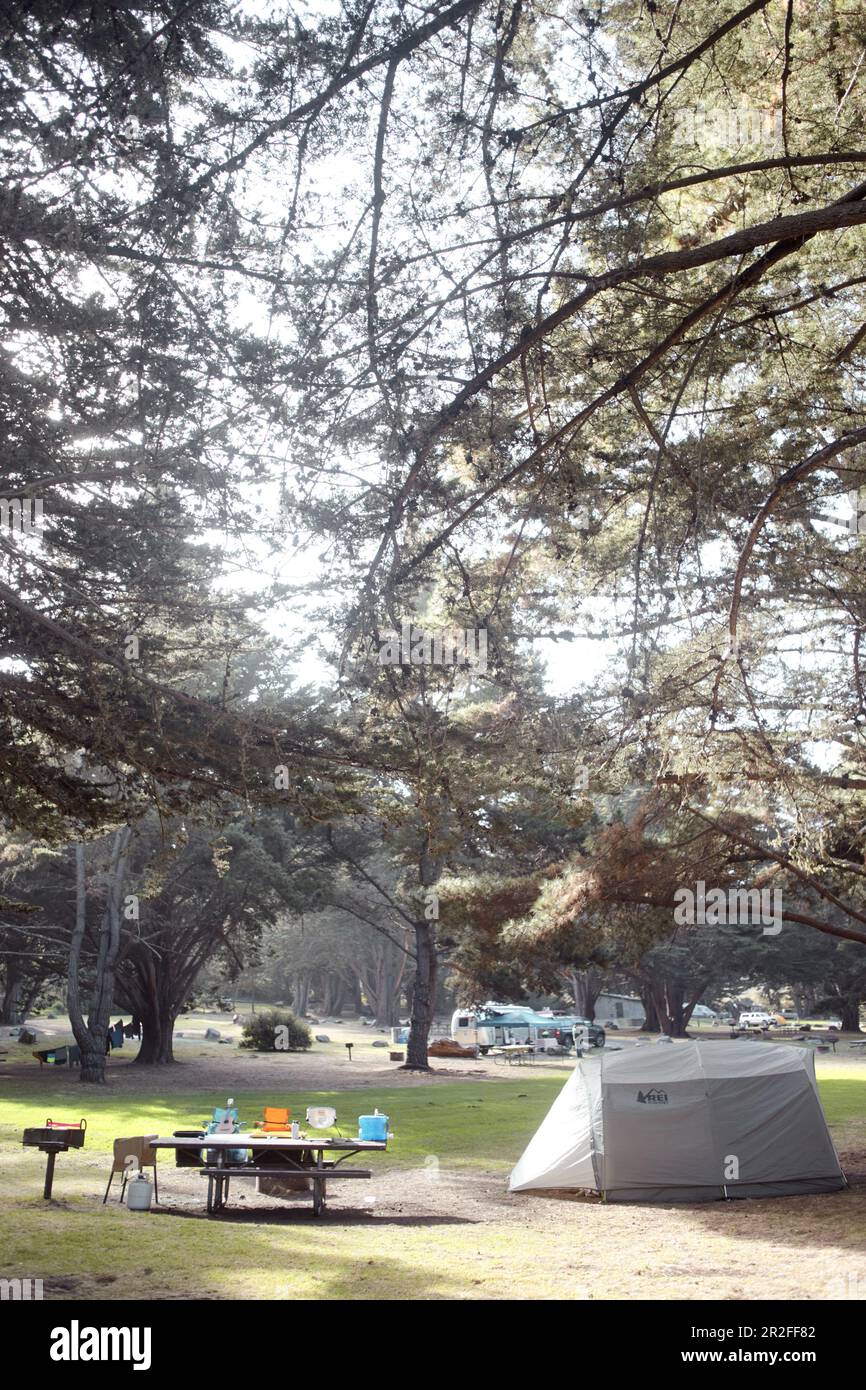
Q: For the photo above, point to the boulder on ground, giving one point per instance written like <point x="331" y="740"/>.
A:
<point x="211" y="1035"/>
<point x="322" y="1037"/>
<point x="378" y="1042"/>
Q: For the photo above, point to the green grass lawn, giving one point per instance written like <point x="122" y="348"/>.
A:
<point x="457" y="1236"/>
<point x="466" y="1123"/>
<point x="844" y="1099"/>
<point x="459" y="1128"/>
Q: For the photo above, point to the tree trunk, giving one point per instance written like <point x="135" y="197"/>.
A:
<point x="585" y="989"/>
<point x="351" y="996"/>
<point x="332" y="994"/>
<point x="29" y="999"/>
<point x="651" y="1021"/>
<point x="157" y="1033"/>
<point x="381" y="976"/>
<point x="673" y="1018"/>
<point x="673" y="1009"/>
<point x="91" y="1036"/>
<point x="92" y="1055"/>
<point x="423" y="997"/>
<point x="302" y="994"/>
<point x="150" y="989"/>
<point x="386" y="1002"/>
<point x="10" y="1012"/>
<point x="849" y="1013"/>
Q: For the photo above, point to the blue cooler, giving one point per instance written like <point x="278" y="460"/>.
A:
<point x="373" y="1128"/>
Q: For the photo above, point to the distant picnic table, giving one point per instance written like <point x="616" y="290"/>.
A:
<point x="792" y="1034"/>
<point x="514" y="1052"/>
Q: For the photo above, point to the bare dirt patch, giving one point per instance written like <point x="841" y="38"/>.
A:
<point x="582" y="1248"/>
<point x="234" y="1071"/>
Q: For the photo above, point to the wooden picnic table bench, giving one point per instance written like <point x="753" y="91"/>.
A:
<point x="286" y="1157"/>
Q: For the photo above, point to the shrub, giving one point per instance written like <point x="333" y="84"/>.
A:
<point x="275" y="1030"/>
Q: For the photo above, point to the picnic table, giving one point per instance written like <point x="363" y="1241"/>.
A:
<point x="820" y="1040"/>
<point x="313" y="1159"/>
<point x="515" y="1052"/>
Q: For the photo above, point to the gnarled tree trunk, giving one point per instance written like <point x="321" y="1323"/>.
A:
<point x="157" y="1036"/>
<point x="152" y="991"/>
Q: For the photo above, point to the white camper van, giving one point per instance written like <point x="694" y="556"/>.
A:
<point x="496" y="1025"/>
<point x="476" y="1030"/>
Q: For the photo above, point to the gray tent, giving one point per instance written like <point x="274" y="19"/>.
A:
<point x="695" y="1122"/>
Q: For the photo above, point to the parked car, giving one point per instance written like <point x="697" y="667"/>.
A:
<point x="759" y="1020"/>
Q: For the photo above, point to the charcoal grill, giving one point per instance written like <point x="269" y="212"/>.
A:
<point x="53" y="1138"/>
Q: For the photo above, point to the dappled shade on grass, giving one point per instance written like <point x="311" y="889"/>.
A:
<point x="436" y="1222"/>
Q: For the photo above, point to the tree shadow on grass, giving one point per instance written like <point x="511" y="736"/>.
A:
<point x="304" y="1216"/>
<point x="809" y="1222"/>
<point x="331" y="1277"/>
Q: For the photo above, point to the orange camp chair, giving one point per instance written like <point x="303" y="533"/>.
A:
<point x="276" y="1120"/>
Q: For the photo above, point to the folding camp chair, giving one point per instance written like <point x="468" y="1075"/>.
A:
<point x="224" y="1118"/>
<point x="139" y="1149"/>
<point x="276" y="1120"/>
<point x="224" y="1121"/>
